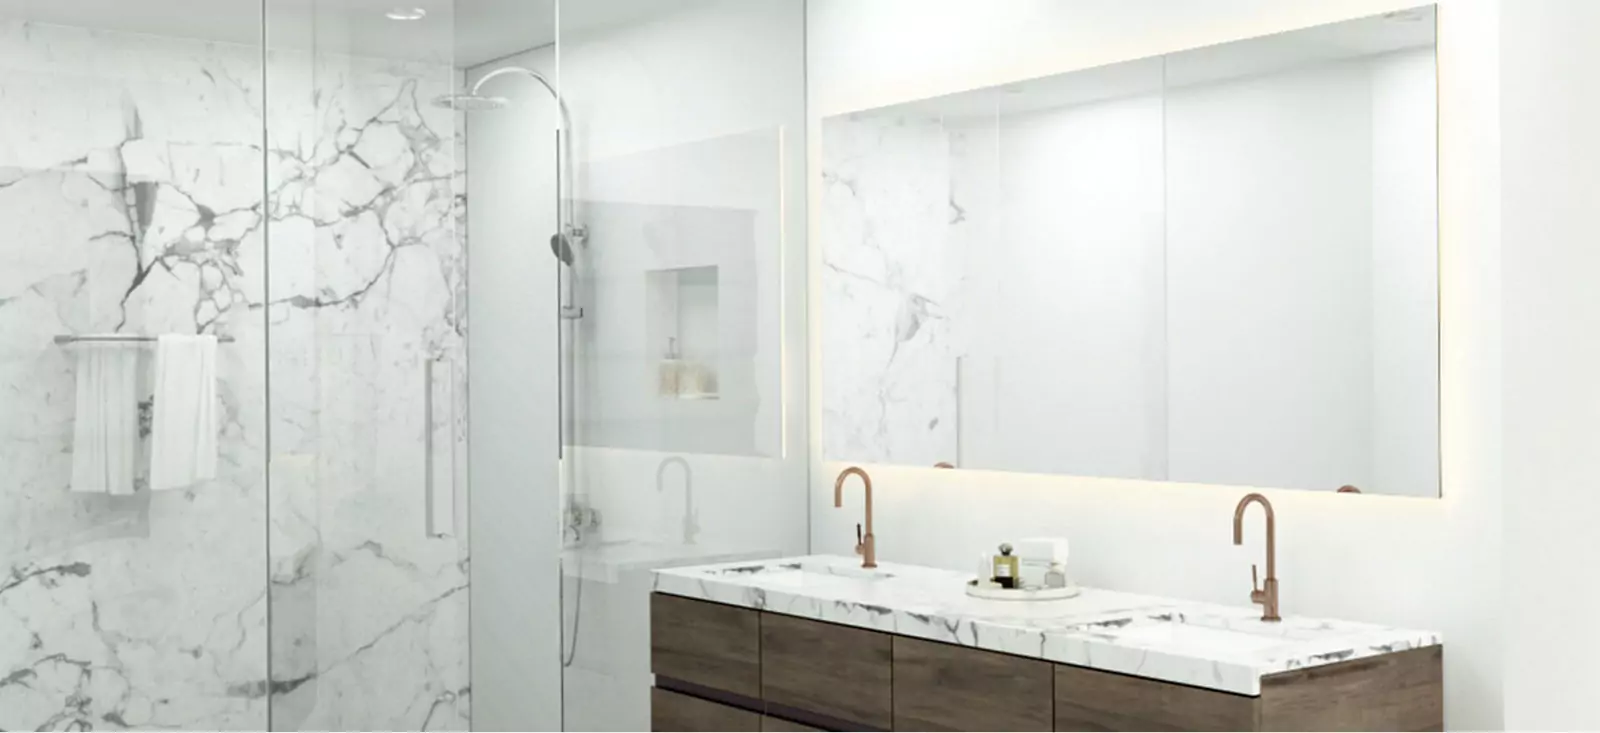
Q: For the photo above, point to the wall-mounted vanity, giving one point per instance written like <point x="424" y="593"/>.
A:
<point x="1216" y="266"/>
<point x="819" y="643"/>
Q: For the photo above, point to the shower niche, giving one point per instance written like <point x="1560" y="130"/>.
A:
<point x="682" y="321"/>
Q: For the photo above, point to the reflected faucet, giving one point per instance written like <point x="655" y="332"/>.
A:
<point x="1267" y="594"/>
<point x="690" y="527"/>
<point x="866" y="545"/>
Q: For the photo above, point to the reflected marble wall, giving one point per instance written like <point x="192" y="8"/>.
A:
<point x="890" y="285"/>
<point x="131" y="172"/>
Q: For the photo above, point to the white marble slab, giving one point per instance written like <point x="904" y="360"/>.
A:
<point x="1224" y="648"/>
<point x="607" y="560"/>
<point x="131" y="188"/>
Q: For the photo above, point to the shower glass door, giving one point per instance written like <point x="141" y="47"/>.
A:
<point x="684" y="354"/>
<point x="366" y="520"/>
<point x="132" y="199"/>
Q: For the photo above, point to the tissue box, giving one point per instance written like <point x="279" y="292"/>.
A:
<point x="1034" y="557"/>
<point x="1042" y="549"/>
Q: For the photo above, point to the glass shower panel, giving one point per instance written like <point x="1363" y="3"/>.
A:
<point x="131" y="191"/>
<point x="685" y="433"/>
<point x="511" y="174"/>
<point x="368" y="535"/>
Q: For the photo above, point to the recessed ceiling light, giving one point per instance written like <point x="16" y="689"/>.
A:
<point x="406" y="14"/>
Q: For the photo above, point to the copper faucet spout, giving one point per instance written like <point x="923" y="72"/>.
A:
<point x="868" y="546"/>
<point x="1267" y="595"/>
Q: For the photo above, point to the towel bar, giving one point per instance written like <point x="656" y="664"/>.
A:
<point x="118" y="337"/>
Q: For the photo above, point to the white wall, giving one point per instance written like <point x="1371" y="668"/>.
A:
<point x="1419" y="562"/>
<point x="1552" y="307"/>
<point x="1077" y="249"/>
<point x="1301" y="278"/>
<point x="1405" y="271"/>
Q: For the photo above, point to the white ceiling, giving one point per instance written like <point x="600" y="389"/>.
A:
<point x="459" y="32"/>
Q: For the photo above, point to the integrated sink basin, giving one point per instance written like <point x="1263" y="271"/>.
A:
<point x="1177" y="631"/>
<point x="843" y="570"/>
<point x="799" y="570"/>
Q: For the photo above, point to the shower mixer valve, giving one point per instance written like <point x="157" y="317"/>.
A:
<point x="582" y="520"/>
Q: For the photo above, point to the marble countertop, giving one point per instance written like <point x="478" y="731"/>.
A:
<point x="1227" y="648"/>
<point x="607" y="560"/>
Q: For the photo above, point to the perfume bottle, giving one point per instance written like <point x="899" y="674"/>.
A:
<point x="1006" y="568"/>
<point x="1056" y="576"/>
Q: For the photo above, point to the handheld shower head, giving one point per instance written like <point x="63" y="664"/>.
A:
<point x="561" y="247"/>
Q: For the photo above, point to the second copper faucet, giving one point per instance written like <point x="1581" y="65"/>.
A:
<point x="1267" y="594"/>
<point x="866" y="545"/>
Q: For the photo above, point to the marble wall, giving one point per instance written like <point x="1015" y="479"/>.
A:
<point x="131" y="181"/>
<point x="889" y="288"/>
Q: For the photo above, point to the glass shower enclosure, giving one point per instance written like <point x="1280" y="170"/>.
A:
<point x="271" y="175"/>
<point x="282" y="249"/>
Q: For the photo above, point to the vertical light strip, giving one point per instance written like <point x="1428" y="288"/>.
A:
<point x="783" y="301"/>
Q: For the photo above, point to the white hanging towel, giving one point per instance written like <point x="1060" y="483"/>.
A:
<point x="105" y="429"/>
<point x="183" y="440"/>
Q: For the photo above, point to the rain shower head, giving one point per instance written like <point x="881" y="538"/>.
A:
<point x="470" y="102"/>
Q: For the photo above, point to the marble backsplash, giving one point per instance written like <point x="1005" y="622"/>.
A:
<point x="139" y="196"/>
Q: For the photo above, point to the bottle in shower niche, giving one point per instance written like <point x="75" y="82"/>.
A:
<point x="670" y="371"/>
<point x="1005" y="568"/>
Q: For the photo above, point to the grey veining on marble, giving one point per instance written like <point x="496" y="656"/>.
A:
<point x="131" y="184"/>
<point x="1217" y="647"/>
<point x="888" y="291"/>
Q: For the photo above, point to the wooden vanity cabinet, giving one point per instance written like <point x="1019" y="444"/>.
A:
<point x="675" y="711"/>
<point x="1087" y="699"/>
<point x="707" y="645"/>
<point x="840" y="673"/>
<point x="721" y="667"/>
<point x="948" y="687"/>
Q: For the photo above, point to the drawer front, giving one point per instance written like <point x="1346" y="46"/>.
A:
<point x="671" y="711"/>
<point x="1087" y="700"/>
<point x="1398" y="691"/>
<point x="706" y="644"/>
<point x="769" y="723"/>
<point x="948" y="687"/>
<point x="836" y="671"/>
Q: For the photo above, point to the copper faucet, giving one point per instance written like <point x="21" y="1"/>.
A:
<point x="866" y="545"/>
<point x="1267" y="594"/>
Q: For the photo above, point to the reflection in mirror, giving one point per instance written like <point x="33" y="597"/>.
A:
<point x="1218" y="266"/>
<point x="677" y="301"/>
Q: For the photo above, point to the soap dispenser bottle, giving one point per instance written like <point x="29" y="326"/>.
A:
<point x="1006" y="568"/>
<point x="671" y="371"/>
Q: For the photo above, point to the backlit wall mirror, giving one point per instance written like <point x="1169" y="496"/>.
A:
<point x="1218" y="266"/>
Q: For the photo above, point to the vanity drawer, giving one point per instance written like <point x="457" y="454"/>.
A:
<point x="706" y="644"/>
<point x="671" y="711"/>
<point x="948" y="687"/>
<point x="1397" y="691"/>
<point x="840" y="672"/>
<point x="1089" y="700"/>
<point x="769" y="723"/>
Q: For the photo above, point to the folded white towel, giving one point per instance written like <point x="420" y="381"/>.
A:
<point x="105" y="430"/>
<point x="183" y="440"/>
